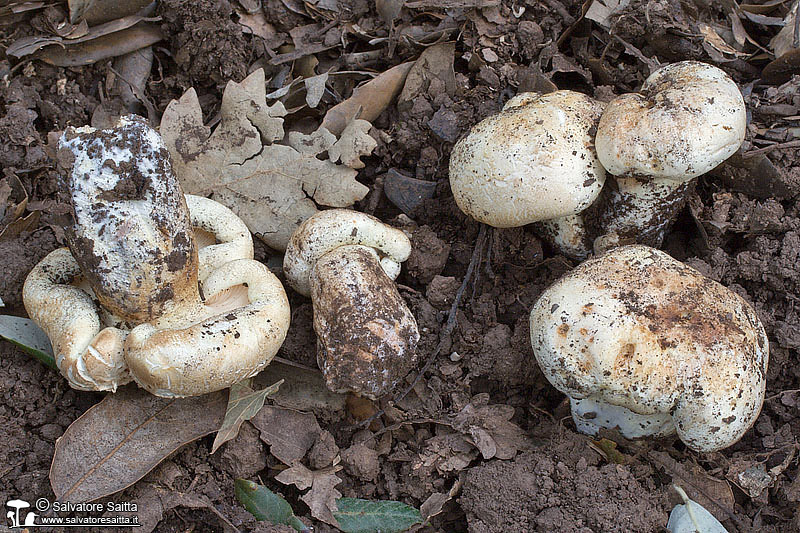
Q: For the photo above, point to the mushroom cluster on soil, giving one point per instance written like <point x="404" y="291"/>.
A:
<point x="346" y="262"/>
<point x="544" y="158"/>
<point x="639" y="341"/>
<point x="132" y="298"/>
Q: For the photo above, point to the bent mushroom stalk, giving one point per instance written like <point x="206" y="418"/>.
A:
<point x="646" y="344"/>
<point x="346" y="262"/>
<point x="533" y="162"/>
<point x="688" y="118"/>
<point x="133" y="241"/>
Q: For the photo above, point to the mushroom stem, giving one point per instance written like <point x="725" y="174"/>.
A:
<point x="87" y="354"/>
<point x="590" y="414"/>
<point x="223" y="342"/>
<point x="569" y="235"/>
<point x="366" y="335"/>
<point x="641" y="210"/>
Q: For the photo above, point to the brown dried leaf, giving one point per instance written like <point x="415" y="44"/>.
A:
<point x="100" y="48"/>
<point x="713" y="494"/>
<point x="20" y="225"/>
<point x="491" y="430"/>
<point x="243" y="404"/>
<point x="271" y="187"/>
<point x="314" y="143"/>
<point x="321" y="499"/>
<point x="119" y="440"/>
<point x="154" y="501"/>
<point x="435" y="63"/>
<point x="369" y="100"/>
<point x="302" y="389"/>
<point x="289" y="433"/>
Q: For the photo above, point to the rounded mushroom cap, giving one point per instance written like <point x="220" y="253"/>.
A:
<point x="330" y="229"/>
<point x="688" y="118"/>
<point x="637" y="329"/>
<point x="132" y="234"/>
<point x="533" y="161"/>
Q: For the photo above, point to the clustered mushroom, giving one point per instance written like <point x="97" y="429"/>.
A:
<point x="132" y="248"/>
<point x="533" y="162"/>
<point x="688" y="118"/>
<point x="638" y="340"/>
<point x="643" y="343"/>
<point x="346" y="262"/>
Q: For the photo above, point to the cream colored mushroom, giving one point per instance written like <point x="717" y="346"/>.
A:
<point x="133" y="242"/>
<point x="366" y="335"/>
<point x="646" y="344"/>
<point x="688" y="118"/>
<point x="533" y="162"/>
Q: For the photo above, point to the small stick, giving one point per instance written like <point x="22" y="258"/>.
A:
<point x="448" y="326"/>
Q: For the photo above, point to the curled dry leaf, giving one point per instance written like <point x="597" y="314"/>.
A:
<point x="302" y="389"/>
<point x="119" y="440"/>
<point x="369" y="100"/>
<point x="321" y="499"/>
<point x="272" y="187"/>
<point x="243" y="404"/>
<point x="491" y="430"/>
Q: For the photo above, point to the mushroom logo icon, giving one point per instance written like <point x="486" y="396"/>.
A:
<point x="14" y="515"/>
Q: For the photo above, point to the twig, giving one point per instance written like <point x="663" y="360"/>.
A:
<point x="780" y="394"/>
<point x="771" y="147"/>
<point x="447" y="330"/>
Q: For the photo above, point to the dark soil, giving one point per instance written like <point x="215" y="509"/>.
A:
<point x="740" y="227"/>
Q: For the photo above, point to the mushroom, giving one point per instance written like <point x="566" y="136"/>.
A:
<point x="533" y="162"/>
<point x="132" y="241"/>
<point x="346" y="262"/>
<point x="688" y="118"/>
<point x="648" y="345"/>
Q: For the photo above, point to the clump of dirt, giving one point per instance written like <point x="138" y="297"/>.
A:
<point x="210" y="47"/>
<point x="17" y="258"/>
<point x="561" y="487"/>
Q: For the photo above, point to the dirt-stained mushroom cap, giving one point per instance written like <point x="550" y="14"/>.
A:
<point x="131" y="234"/>
<point x="641" y="341"/>
<point x="533" y="161"/>
<point x="330" y="229"/>
<point x="688" y="118"/>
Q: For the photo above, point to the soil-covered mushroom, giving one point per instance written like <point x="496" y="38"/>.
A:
<point x="533" y="162"/>
<point x="644" y="343"/>
<point x="366" y="335"/>
<point x="688" y="118"/>
<point x="132" y="243"/>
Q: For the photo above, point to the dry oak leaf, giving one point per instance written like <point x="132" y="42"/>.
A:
<point x="289" y="433"/>
<point x="354" y="142"/>
<point x="321" y="499"/>
<point x="272" y="187"/>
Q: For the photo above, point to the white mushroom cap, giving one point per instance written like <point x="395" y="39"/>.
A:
<point x="330" y="229"/>
<point x="688" y="118"/>
<point x="635" y="330"/>
<point x="533" y="161"/>
<point x="86" y="353"/>
<point x="227" y="341"/>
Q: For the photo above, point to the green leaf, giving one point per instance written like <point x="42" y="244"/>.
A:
<point x="243" y="404"/>
<point x="266" y="505"/>
<point x="364" y="516"/>
<point x="27" y="335"/>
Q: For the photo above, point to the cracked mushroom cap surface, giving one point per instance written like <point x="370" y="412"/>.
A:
<point x="688" y="118"/>
<point x="638" y="330"/>
<point x="533" y="161"/>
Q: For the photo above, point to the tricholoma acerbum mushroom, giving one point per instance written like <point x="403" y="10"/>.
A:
<point x="132" y="248"/>
<point x="533" y="162"/>
<point x="648" y="345"/>
<point x="688" y="118"/>
<point x="346" y="262"/>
